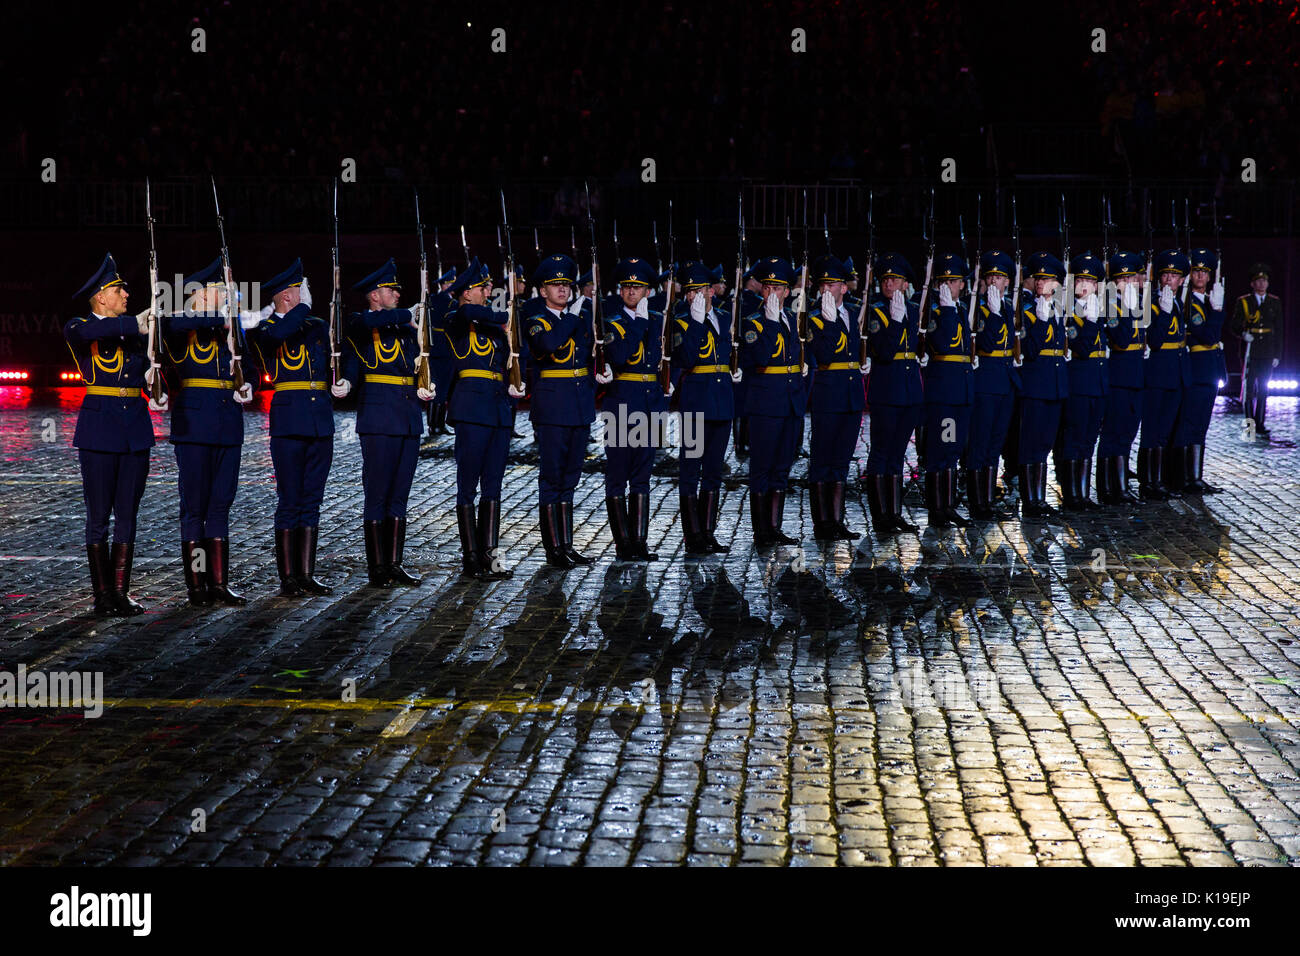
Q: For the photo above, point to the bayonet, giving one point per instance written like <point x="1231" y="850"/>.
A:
<point x="234" y="327"/>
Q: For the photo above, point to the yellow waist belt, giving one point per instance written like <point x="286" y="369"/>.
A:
<point x="480" y="373"/>
<point x="300" y="386"/>
<point x="998" y="353"/>
<point x="391" y="379"/>
<point x="1048" y="353"/>
<point x="903" y="356"/>
<point x="1172" y="345"/>
<point x="635" y="377"/>
<point x="1135" y="347"/>
<point x="779" y="370"/>
<point x="207" y="383"/>
<point x="564" y="373"/>
<point x="1207" y="348"/>
<point x="839" y="367"/>
<point x="1092" y="355"/>
<point x="708" y="369"/>
<point x="1256" y="331"/>
<point x="113" y="392"/>
<point x="949" y="358"/>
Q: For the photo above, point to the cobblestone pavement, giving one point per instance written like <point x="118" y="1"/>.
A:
<point x="1115" y="689"/>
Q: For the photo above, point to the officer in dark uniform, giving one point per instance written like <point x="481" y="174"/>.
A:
<point x="771" y="358"/>
<point x="1125" y="337"/>
<point x="718" y="279"/>
<point x="751" y="301"/>
<point x="292" y="347"/>
<point x="207" y="435"/>
<point x="382" y="357"/>
<point x="997" y="382"/>
<point x="894" y="396"/>
<point x="632" y="348"/>
<point x="1086" y="371"/>
<point x="114" y="432"/>
<point x="563" y="402"/>
<point x="852" y="299"/>
<point x="1045" y="382"/>
<point x="440" y="363"/>
<point x="949" y="388"/>
<point x="1166" y="374"/>
<point x="702" y="354"/>
<point x="1257" y="319"/>
<point x="837" y="398"/>
<point x="1205" y="360"/>
<point x="481" y="411"/>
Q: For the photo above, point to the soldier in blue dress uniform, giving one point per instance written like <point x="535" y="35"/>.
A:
<point x="632" y="349"/>
<point x="1125" y="341"/>
<point x="852" y="299"/>
<point x="382" y="357"/>
<point x="997" y="381"/>
<point x="894" y="396"/>
<point x="1205" y="318"/>
<point x="440" y="363"/>
<point x="771" y="358"/>
<point x="484" y="418"/>
<point x="207" y="435"/>
<point x="292" y="347"/>
<point x="1166" y="374"/>
<point x="563" y="402"/>
<point x="114" y="432"/>
<point x="701" y="353"/>
<point x="949" y="389"/>
<point x="837" y="398"/>
<point x="1045" y="383"/>
<point x="751" y="301"/>
<point x="1086" y="370"/>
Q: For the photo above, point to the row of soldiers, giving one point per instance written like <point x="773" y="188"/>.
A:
<point x="973" y="384"/>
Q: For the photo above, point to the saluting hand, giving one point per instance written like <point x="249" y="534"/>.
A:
<point x="1091" y="307"/>
<point x="1166" y="299"/>
<point x="945" y="296"/>
<point x="897" y="306"/>
<point x="830" y="311"/>
<point x="1216" y="296"/>
<point x="643" y="309"/>
<point x="995" y="300"/>
<point x="1130" y="297"/>
<point x="772" y="308"/>
<point x="699" y="307"/>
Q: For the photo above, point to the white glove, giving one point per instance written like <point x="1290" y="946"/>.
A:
<point x="142" y="320"/>
<point x="1216" y="296"/>
<point x="516" y="392"/>
<point x="671" y="388"/>
<point x="995" y="300"/>
<point x="160" y="405"/>
<point x="341" y="389"/>
<point x="772" y="308"/>
<point x="1166" y="299"/>
<point x="1146" y="351"/>
<point x="149" y="374"/>
<point x="1246" y="336"/>
<point x="1275" y="361"/>
<point x="975" y="361"/>
<point x="1043" y="308"/>
<point x="605" y="377"/>
<point x="416" y="311"/>
<point x="737" y="375"/>
<point x="699" y="307"/>
<point x="945" y="295"/>
<point x="244" y="394"/>
<point x="830" y="311"/>
<point x="1018" y="361"/>
<point x="426" y="394"/>
<point x="1130" y="297"/>
<point x="576" y="307"/>
<point x="897" y="306"/>
<point x="924" y="360"/>
<point x="866" y="366"/>
<point x="643" y="309"/>
<point x="1092" y="307"/>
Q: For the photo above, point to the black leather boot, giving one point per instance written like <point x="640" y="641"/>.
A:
<point x="777" y="512"/>
<point x="759" y="511"/>
<point x="471" y="564"/>
<point x="881" y="523"/>
<point x="895" y="493"/>
<point x="937" y="514"/>
<point x="1160" y="458"/>
<point x="638" y="525"/>
<point x="1085" y="486"/>
<point x="101" y="579"/>
<point x="616" y="508"/>
<point x="1173" y="465"/>
<point x="948" y="497"/>
<point x="195" y="562"/>
<point x="1033" y="495"/>
<point x="1117" y="478"/>
<point x="835" y="512"/>
<point x="553" y="537"/>
<point x="565" y="509"/>
<point x="489" y="531"/>
<point x="742" y="437"/>
<point x="1067" y="475"/>
<point x="123" y="555"/>
<point x="306" y="538"/>
<point x="709" y="522"/>
<point x="1149" y="486"/>
<point x="377" y="555"/>
<point x="823" y="530"/>
<point x="1194" y="466"/>
<point x="395" y="538"/>
<point x="218" y="550"/>
<point x="286" y="553"/>
<point x="692" y="527"/>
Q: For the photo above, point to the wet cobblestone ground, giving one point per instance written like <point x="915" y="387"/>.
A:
<point x="1114" y="689"/>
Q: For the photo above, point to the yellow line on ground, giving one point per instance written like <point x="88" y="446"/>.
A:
<point x="368" y="705"/>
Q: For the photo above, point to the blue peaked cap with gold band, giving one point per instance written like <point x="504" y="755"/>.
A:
<point x="385" y="277"/>
<point x="893" y="265"/>
<point x="1044" y="265"/>
<point x="850" y="268"/>
<point x="448" y="276"/>
<point x="287" y="279"/>
<point x="556" y="268"/>
<point x="1087" y="266"/>
<point x="633" y="271"/>
<point x="995" y="263"/>
<point x="1125" y="264"/>
<point x="1171" y="260"/>
<point x="829" y="269"/>
<point x="694" y="275"/>
<point x="211" y="274"/>
<point x="471" y="277"/>
<point x="1203" y="259"/>
<point x="949" y="266"/>
<point x="774" y="270"/>
<point x="104" y="277"/>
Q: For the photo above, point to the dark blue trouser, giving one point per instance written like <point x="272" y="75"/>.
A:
<point x="209" y="478"/>
<point x="716" y="434"/>
<point x="1080" y="425"/>
<point x="480" y="460"/>
<point x="941" y="455"/>
<point x="1039" y="420"/>
<point x="834" y="436"/>
<point x="387" y="470"/>
<point x="301" y="467"/>
<point x="989" y="421"/>
<point x="772" y="450"/>
<point x="1194" y="417"/>
<point x="1119" y="422"/>
<point x="112" y="483"/>
<point x="563" y="448"/>
<point x="891" y="430"/>
<point x="1159" y="415"/>
<point x="628" y="465"/>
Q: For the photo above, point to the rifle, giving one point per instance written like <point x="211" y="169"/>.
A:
<point x="155" y="332"/>
<point x="437" y="254"/>
<point x="699" y="250"/>
<point x="422" y="328"/>
<point x="1187" y="224"/>
<point x="617" y="254"/>
<point x="1067" y="293"/>
<point x="659" y="259"/>
<point x="464" y="244"/>
<point x="735" y="298"/>
<point x="537" y="249"/>
<point x="336" y="303"/>
<point x="665" y="364"/>
<point x="975" y="276"/>
<point x="234" y="328"/>
<point x="597" y="319"/>
<point x="1144" y="320"/>
<point x="1218" y="243"/>
<point x="866" y="275"/>
<point x="826" y="233"/>
<point x="1108" y="251"/>
<point x="801" y="303"/>
<point x="512" y="303"/>
<point x="929" y="271"/>
<point x="1015" y="293"/>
